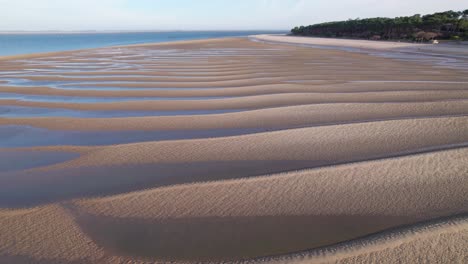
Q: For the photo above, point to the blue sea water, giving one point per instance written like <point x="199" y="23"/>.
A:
<point x="14" y="44"/>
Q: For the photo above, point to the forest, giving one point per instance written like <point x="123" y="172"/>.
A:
<point x="443" y="25"/>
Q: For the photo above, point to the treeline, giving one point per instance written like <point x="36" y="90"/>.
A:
<point x="443" y="25"/>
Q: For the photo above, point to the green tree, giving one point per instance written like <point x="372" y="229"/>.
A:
<point x="441" y="25"/>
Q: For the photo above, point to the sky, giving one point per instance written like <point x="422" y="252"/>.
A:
<point x="80" y="15"/>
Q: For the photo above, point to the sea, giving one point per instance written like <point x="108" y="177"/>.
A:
<point x="26" y="43"/>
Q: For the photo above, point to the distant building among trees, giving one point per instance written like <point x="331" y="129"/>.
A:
<point x="442" y="25"/>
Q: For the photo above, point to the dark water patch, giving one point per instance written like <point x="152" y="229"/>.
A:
<point x="50" y="70"/>
<point x="229" y="238"/>
<point x="20" y="189"/>
<point x="62" y="84"/>
<point x="22" y="160"/>
<point x="83" y="99"/>
<point x="13" y="136"/>
<point x="5" y="73"/>
<point x="26" y="82"/>
<point x="26" y="111"/>
<point x="95" y="86"/>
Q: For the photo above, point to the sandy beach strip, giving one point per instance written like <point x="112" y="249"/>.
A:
<point x="332" y="42"/>
<point x="366" y="44"/>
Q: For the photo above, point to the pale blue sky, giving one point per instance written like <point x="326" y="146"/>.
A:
<point x="33" y="15"/>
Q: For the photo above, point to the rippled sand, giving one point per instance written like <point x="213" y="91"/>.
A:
<point x="233" y="150"/>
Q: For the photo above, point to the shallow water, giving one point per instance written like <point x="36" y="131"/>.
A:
<point x="26" y="136"/>
<point x="58" y="83"/>
<point x="95" y="85"/>
<point x="26" y="111"/>
<point x="40" y="187"/>
<point x="82" y="99"/>
<point x="12" y="44"/>
<point x="22" y="160"/>
<point x="216" y="239"/>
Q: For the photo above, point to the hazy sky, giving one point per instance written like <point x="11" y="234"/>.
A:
<point x="200" y="14"/>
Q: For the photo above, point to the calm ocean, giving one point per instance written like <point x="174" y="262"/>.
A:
<point x="13" y="44"/>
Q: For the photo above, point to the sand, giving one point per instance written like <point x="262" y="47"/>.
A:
<point x="271" y="118"/>
<point x="365" y="44"/>
<point x="234" y="150"/>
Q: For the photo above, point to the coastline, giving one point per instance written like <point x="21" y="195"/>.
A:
<point x="149" y="44"/>
<point x="364" y="44"/>
<point x="336" y="42"/>
<point x="315" y="42"/>
<point x="40" y="42"/>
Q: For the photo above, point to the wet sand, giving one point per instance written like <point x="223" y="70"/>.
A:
<point x="233" y="150"/>
<point x="20" y="160"/>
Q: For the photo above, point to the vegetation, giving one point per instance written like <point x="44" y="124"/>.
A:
<point x="443" y="25"/>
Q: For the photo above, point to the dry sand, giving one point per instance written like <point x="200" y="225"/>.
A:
<point x="339" y="157"/>
<point x="366" y="44"/>
<point x="352" y="43"/>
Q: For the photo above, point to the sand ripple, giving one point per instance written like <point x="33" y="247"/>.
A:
<point x="233" y="150"/>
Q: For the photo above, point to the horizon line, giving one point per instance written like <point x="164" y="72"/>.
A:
<point x="133" y="31"/>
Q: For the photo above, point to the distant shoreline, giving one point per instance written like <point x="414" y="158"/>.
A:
<point x="336" y="42"/>
<point x="317" y="42"/>
<point x="358" y="44"/>
<point x="22" y="43"/>
<point x="122" y="32"/>
<point x="63" y="52"/>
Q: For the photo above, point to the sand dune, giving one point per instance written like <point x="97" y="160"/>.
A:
<point x="112" y="169"/>
<point x="441" y="241"/>
<point x="317" y="87"/>
<point x="284" y="194"/>
<point x="234" y="150"/>
<point x="253" y="102"/>
<point x="333" y="143"/>
<point x="272" y="118"/>
<point x="48" y="234"/>
<point x="335" y="209"/>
